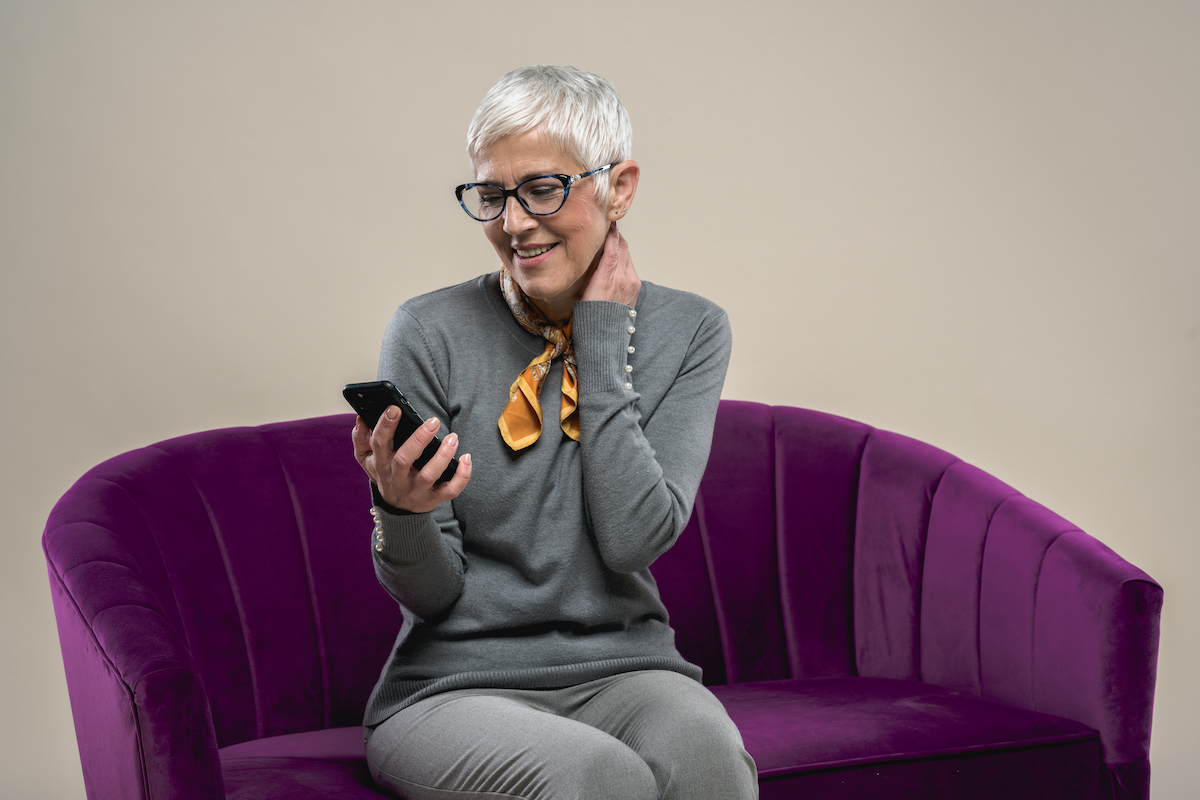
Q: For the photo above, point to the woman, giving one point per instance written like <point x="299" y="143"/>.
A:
<point x="536" y="660"/>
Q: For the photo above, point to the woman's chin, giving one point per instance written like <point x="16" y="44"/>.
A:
<point x="537" y="284"/>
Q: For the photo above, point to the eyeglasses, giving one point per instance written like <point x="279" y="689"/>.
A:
<point x="540" y="196"/>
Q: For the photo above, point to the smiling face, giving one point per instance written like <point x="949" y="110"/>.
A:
<point x="551" y="258"/>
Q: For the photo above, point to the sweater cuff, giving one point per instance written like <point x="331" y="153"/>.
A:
<point x="405" y="538"/>
<point x="602" y="333"/>
<point x="378" y="502"/>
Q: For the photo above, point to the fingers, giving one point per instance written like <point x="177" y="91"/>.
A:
<point x="615" y="277"/>
<point x="628" y="283"/>
<point x="361" y="436"/>
<point x="424" y="493"/>
<point x="384" y="434"/>
<point x="436" y="466"/>
<point x="364" y="453"/>
<point x="409" y="452"/>
<point x="461" y="476"/>
<point x="612" y="245"/>
<point x="373" y="448"/>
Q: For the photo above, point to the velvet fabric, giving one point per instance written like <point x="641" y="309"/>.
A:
<point x="879" y="618"/>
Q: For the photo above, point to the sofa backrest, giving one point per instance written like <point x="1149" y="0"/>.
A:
<point x="829" y="548"/>
<point x="759" y="585"/>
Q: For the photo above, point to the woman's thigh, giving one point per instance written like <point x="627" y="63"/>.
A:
<point x="481" y="744"/>
<point x="679" y="729"/>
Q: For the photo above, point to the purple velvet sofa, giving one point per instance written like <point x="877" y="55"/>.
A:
<point x="880" y="618"/>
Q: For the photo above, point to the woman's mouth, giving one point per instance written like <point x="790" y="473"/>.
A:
<point x="533" y="252"/>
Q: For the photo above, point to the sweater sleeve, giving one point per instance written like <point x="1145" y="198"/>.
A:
<point x="418" y="557"/>
<point x="641" y="474"/>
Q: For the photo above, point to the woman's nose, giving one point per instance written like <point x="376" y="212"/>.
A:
<point x="516" y="218"/>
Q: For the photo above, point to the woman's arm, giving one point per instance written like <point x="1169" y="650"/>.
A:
<point x="641" y="473"/>
<point x="418" y="556"/>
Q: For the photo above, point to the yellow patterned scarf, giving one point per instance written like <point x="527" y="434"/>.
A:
<point x="521" y="421"/>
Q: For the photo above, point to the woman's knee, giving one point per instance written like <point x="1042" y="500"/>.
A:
<point x="708" y="761"/>
<point x="694" y="748"/>
<point x="612" y="770"/>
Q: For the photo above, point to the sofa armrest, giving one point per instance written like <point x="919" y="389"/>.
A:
<point x="141" y="714"/>
<point x="1095" y="651"/>
<point x="1019" y="605"/>
<point x="1067" y="627"/>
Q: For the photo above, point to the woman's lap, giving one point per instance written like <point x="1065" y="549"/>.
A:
<point x="636" y="735"/>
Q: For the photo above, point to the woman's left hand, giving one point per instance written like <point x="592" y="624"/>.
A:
<point x="615" y="277"/>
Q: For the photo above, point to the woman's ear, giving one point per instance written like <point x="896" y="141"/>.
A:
<point x="622" y="186"/>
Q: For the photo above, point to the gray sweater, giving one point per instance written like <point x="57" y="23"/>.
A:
<point x="537" y="575"/>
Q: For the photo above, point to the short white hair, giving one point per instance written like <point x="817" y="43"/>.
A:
<point x="577" y="110"/>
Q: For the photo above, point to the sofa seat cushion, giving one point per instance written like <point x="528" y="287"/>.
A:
<point x="873" y="737"/>
<point x="827" y="737"/>
<point x="328" y="764"/>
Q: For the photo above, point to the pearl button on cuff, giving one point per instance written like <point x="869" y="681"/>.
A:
<point x="629" y="367"/>
<point x="629" y="349"/>
<point x="629" y="386"/>
<point x="632" y="313"/>
<point x="631" y="329"/>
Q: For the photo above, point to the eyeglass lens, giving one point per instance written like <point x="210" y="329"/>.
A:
<point x="538" y="196"/>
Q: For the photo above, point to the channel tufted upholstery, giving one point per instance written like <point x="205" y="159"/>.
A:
<point x="880" y="618"/>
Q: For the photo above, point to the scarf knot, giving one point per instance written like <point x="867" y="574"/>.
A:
<point x="521" y="420"/>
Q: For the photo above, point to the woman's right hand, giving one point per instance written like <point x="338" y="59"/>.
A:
<point x="392" y="472"/>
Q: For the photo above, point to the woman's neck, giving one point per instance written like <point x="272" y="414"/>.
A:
<point x="557" y="312"/>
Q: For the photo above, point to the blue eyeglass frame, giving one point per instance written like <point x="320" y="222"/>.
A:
<point x="567" y="181"/>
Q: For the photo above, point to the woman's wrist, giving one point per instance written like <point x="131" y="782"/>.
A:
<point x="383" y="505"/>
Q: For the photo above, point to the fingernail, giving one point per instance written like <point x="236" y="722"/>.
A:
<point x="431" y="424"/>
<point x="465" y="459"/>
<point x="452" y="440"/>
<point x="392" y="412"/>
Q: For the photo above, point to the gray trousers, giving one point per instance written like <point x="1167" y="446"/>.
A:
<point x="635" y="736"/>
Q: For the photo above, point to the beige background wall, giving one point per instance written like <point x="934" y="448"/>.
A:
<point x="974" y="223"/>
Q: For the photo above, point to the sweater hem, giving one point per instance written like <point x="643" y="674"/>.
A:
<point x="396" y="696"/>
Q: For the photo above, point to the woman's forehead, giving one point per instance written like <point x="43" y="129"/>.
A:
<point x="519" y="157"/>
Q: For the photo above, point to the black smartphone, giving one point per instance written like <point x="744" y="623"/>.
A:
<point x="371" y="399"/>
